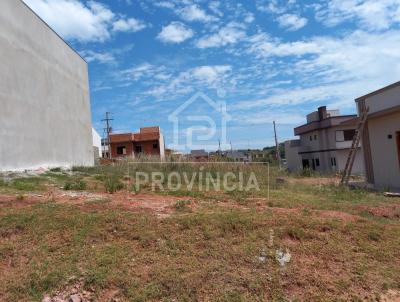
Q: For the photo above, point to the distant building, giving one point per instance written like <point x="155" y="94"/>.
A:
<point x="45" y="118"/>
<point x="381" y="138"/>
<point x="239" y="156"/>
<point x="199" y="155"/>
<point x="96" y="144"/>
<point x="324" y="144"/>
<point x="259" y="155"/>
<point x="149" y="141"/>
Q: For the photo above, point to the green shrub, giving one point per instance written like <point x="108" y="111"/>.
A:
<point x="112" y="183"/>
<point x="75" y="185"/>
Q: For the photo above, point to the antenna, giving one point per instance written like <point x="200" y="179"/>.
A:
<point x="278" y="153"/>
<point x="108" y="131"/>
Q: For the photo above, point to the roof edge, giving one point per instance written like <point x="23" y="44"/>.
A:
<point x="61" y="38"/>
<point x="378" y="91"/>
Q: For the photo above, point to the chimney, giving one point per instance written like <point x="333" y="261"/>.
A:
<point x="322" y="114"/>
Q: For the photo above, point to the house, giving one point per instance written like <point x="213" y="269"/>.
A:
<point x="381" y="136"/>
<point x="324" y="144"/>
<point x="45" y="118"/>
<point x="239" y="156"/>
<point x="149" y="141"/>
<point x="199" y="155"/>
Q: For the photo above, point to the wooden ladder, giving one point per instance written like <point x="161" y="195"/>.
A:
<point x="354" y="147"/>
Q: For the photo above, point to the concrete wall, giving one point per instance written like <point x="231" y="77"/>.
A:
<point x="45" y="116"/>
<point x="385" y="100"/>
<point x="293" y="159"/>
<point x="385" y="159"/>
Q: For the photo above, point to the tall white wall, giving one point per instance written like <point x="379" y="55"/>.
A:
<point x="45" y="116"/>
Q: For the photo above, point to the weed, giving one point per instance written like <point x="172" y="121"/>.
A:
<point x="98" y="201"/>
<point x="182" y="205"/>
<point x="112" y="184"/>
<point x="20" y="197"/>
<point x="75" y="185"/>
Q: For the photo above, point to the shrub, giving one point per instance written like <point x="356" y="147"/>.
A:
<point x="112" y="183"/>
<point x="75" y="185"/>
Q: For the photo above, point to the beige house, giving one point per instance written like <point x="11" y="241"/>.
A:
<point x="324" y="143"/>
<point x="381" y="139"/>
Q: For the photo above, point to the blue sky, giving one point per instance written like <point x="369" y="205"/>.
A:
<point x="267" y="59"/>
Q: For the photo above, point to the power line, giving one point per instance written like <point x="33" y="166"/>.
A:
<point x="108" y="130"/>
<point x="278" y="153"/>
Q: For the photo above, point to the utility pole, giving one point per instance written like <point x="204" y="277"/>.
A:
<point x="278" y="153"/>
<point x="108" y="130"/>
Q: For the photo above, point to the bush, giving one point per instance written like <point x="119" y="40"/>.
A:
<point x="75" y="185"/>
<point x="112" y="184"/>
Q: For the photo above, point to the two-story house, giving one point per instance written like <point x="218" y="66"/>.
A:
<point x="324" y="144"/>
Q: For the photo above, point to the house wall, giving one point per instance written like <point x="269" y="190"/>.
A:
<point x="325" y="141"/>
<point x="45" y="118"/>
<point x="147" y="148"/>
<point x="293" y="159"/>
<point x="385" y="159"/>
<point x="386" y="99"/>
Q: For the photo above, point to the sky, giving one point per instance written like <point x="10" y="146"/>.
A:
<point x="265" y="60"/>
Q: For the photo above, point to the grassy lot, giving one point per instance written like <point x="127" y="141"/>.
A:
<point x="214" y="246"/>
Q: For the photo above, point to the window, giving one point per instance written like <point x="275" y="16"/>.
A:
<point x="310" y="138"/>
<point x="317" y="162"/>
<point x="315" y="137"/>
<point x="345" y="135"/>
<point x="138" y="149"/>
<point x="349" y="134"/>
<point x="155" y="146"/>
<point x="333" y="161"/>
<point x="121" y="150"/>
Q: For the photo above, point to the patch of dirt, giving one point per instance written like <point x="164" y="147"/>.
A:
<point x="314" y="181"/>
<point x="391" y="296"/>
<point x="18" y="202"/>
<point x="391" y="211"/>
<point x="160" y="205"/>
<point x="260" y="206"/>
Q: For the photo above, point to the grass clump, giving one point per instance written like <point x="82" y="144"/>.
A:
<point x="183" y="205"/>
<point x="75" y="185"/>
<point x="113" y="184"/>
<point x="98" y="201"/>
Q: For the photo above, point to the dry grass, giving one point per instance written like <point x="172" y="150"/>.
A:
<point x="213" y="246"/>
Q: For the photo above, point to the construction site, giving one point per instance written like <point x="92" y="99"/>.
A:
<point x="110" y="209"/>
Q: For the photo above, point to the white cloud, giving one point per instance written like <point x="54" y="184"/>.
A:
<point x="229" y="34"/>
<point x="175" y="32"/>
<point x="210" y="74"/>
<point x="249" y="18"/>
<point x="165" y="4"/>
<point x="195" y="13"/>
<point x="291" y="22"/>
<point x="104" y="58"/>
<point x="129" y="25"/>
<point x="333" y="70"/>
<point x="215" y="7"/>
<point x="74" y="20"/>
<point x="139" y="72"/>
<point x="371" y="14"/>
